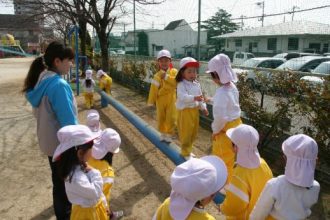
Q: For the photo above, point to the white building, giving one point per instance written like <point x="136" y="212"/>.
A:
<point x="295" y="36"/>
<point x="177" y="37"/>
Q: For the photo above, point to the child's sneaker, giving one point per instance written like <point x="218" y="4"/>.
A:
<point x="168" y="138"/>
<point x="162" y="137"/>
<point x="116" y="215"/>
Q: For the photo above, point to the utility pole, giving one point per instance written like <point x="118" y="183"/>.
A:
<point x="199" y="31"/>
<point x="134" y="28"/>
<point x="293" y="11"/>
<point x="242" y="21"/>
<point x="262" y="5"/>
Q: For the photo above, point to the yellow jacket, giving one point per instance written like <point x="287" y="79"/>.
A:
<point x="243" y="191"/>
<point x="160" y="87"/>
<point x="107" y="174"/>
<point x="163" y="213"/>
<point x="105" y="83"/>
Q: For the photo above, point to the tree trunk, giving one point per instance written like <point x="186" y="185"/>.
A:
<point x="104" y="49"/>
<point x="82" y="35"/>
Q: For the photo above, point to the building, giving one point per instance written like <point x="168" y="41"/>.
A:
<point x="295" y="36"/>
<point x="26" y="7"/>
<point x="25" y="30"/>
<point x="178" y="37"/>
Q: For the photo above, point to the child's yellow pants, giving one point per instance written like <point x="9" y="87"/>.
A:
<point x="223" y="147"/>
<point x="89" y="101"/>
<point x="166" y="113"/>
<point x="98" y="212"/>
<point x="188" y="124"/>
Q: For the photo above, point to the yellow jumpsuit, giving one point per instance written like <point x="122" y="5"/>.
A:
<point x="107" y="174"/>
<point x="88" y="94"/>
<point x="105" y="83"/>
<point x="163" y="94"/>
<point x="188" y="124"/>
<point x="243" y="191"/>
<point x="223" y="147"/>
<point x="163" y="213"/>
<point x="97" y="212"/>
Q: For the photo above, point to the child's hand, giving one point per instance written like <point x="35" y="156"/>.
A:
<point x="163" y="74"/>
<point x="206" y="112"/>
<point x="199" y="98"/>
<point x="214" y="136"/>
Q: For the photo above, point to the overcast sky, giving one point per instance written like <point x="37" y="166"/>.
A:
<point x="162" y="14"/>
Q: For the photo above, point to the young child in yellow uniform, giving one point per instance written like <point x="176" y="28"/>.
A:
<point x="88" y="86"/>
<point x="189" y="101"/>
<point x="162" y="94"/>
<point x="194" y="184"/>
<point x="251" y="174"/>
<point x="105" y="82"/>
<point x="226" y="109"/>
<point x="102" y="153"/>
<point x="291" y="196"/>
<point x="83" y="184"/>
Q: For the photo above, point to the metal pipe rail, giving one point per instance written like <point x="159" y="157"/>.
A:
<point x="170" y="150"/>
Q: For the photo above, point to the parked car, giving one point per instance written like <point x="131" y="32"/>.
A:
<point x="326" y="54"/>
<point x="240" y="57"/>
<point x="303" y="64"/>
<point x="259" y="62"/>
<point x="289" y="56"/>
<point x="323" y="68"/>
<point x="121" y="52"/>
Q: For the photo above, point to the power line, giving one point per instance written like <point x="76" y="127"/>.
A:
<point x="282" y="13"/>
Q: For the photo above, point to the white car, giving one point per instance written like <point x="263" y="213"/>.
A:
<point x="323" y="68"/>
<point x="240" y="57"/>
<point x="120" y="52"/>
<point x="259" y="62"/>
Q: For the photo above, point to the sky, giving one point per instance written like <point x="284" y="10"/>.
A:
<point x="158" y="16"/>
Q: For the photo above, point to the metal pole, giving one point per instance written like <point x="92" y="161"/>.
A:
<point x="134" y="28"/>
<point x="77" y="58"/>
<point x="263" y="13"/>
<point x="199" y="31"/>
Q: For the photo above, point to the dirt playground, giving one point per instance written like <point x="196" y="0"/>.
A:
<point x="142" y="171"/>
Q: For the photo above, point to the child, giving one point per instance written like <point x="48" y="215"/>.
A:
<point x="291" y="196"/>
<point x="189" y="101"/>
<point x="93" y="121"/>
<point x="102" y="153"/>
<point x="250" y="174"/>
<point x="194" y="184"/>
<point x="88" y="86"/>
<point x="162" y="94"/>
<point x="105" y="82"/>
<point x="226" y="109"/>
<point x="83" y="184"/>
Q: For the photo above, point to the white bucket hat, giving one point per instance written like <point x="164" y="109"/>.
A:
<point x="221" y="64"/>
<point x="100" y="73"/>
<point x="164" y="53"/>
<point x="246" y="138"/>
<point x="194" y="180"/>
<point x="72" y="136"/>
<point x="188" y="62"/>
<point x="301" y="152"/>
<point x="109" y="141"/>
<point x="89" y="74"/>
<point x="93" y="121"/>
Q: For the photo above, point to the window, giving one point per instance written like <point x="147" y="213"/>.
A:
<point x="293" y="43"/>
<point x="315" y="46"/>
<point x="325" y="48"/>
<point x="255" y="44"/>
<point x="311" y="65"/>
<point x="238" y="43"/>
<point x="249" y="56"/>
<point x="239" y="56"/>
<point x="158" y="48"/>
<point x="271" y="43"/>
<point x="265" y="64"/>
